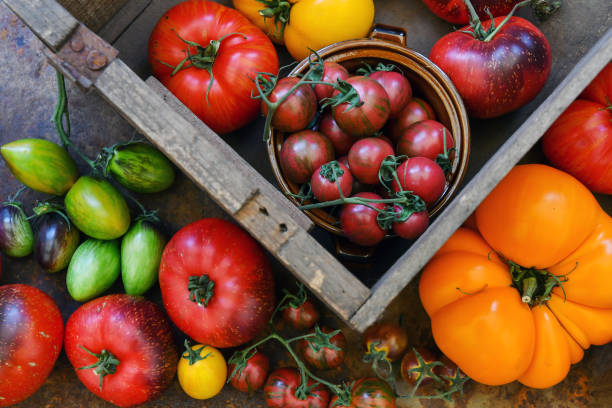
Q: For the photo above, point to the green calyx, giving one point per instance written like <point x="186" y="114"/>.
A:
<point x="443" y="159"/>
<point x="331" y="171"/>
<point x="347" y="94"/>
<point x="204" y="58"/>
<point x="279" y="10"/>
<point x="191" y="355"/>
<point x="46" y="207"/>
<point x="534" y="285"/>
<point x="322" y="340"/>
<point x="478" y="30"/>
<point x="545" y="8"/>
<point x="201" y="289"/>
<point x="367" y="69"/>
<point x="107" y="364"/>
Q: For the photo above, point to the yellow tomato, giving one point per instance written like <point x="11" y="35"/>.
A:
<point x="311" y="24"/>
<point x="202" y="371"/>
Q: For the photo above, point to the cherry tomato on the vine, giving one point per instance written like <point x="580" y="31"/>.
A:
<point x="302" y="153"/>
<point x="328" y="180"/>
<point x="425" y="139"/>
<point x="366" y="156"/>
<point x="415" y="111"/>
<point x="386" y="338"/>
<point x="297" y="111"/>
<point x="341" y="140"/>
<point x="253" y="375"/>
<point x="359" y="222"/>
<point x="369" y="392"/>
<point x="423" y="176"/>
<point x="397" y="87"/>
<point x="281" y="386"/>
<point x="301" y="317"/>
<point x="201" y="371"/>
<point x="324" y="358"/>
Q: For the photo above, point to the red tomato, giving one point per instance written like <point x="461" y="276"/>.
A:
<point x="280" y="388"/>
<point x="216" y="283"/>
<point x="369" y="392"/>
<point x="297" y="111"/>
<point x="302" y="317"/>
<point x="332" y="71"/>
<point x="368" y="118"/>
<point x="410" y="365"/>
<point x="423" y="177"/>
<point x="358" y="187"/>
<point x="31" y="336"/>
<point x="388" y="338"/>
<point x="397" y="87"/>
<point x="413" y="227"/>
<point x="425" y="139"/>
<point x="366" y="156"/>
<point x="456" y="12"/>
<point x="324" y="358"/>
<point x="359" y="222"/>
<point x="323" y="181"/>
<point x="497" y="76"/>
<point x="302" y="153"/>
<point x="253" y="375"/>
<point x="222" y="100"/>
<point x="415" y="111"/>
<point x="340" y="139"/>
<point x="580" y="143"/>
<point x="600" y="89"/>
<point x="135" y="357"/>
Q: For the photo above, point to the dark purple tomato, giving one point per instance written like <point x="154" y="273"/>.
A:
<point x="411" y="365"/>
<point x="500" y="75"/>
<point x="323" y="181"/>
<point x="55" y="242"/>
<point x="253" y="375"/>
<point x="302" y="317"/>
<point x="323" y="358"/>
<point x="359" y="222"/>
<point x="397" y="87"/>
<point x="366" y="156"/>
<point x="425" y="139"/>
<point x="413" y="226"/>
<point x="332" y="71"/>
<point x="415" y="111"/>
<point x="423" y="177"/>
<point x="368" y="118"/>
<point x="297" y="111"/>
<point x="302" y="153"/>
<point x="16" y="237"/>
<point x="340" y="139"/>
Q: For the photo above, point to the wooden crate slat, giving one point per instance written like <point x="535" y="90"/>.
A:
<point x="409" y="265"/>
<point x="234" y="185"/>
<point x="47" y="19"/>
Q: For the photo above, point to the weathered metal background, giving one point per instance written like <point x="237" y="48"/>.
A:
<point x="27" y="98"/>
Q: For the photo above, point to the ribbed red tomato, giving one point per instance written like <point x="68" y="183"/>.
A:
<point x="217" y="91"/>
<point x="31" y="336"/>
<point x="216" y="283"/>
<point x="580" y="140"/>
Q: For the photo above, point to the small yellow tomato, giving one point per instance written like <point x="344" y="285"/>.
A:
<point x="202" y="371"/>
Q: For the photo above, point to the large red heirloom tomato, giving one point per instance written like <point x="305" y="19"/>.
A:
<point x="580" y="140"/>
<point x="31" y="336"/>
<point x="215" y="78"/>
<point x="525" y="294"/>
<point x="456" y="12"/>
<point x="122" y="349"/>
<point x="216" y="283"/>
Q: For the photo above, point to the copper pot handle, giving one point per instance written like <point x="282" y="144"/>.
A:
<point x="388" y="33"/>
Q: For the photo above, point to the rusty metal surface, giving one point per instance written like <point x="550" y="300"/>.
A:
<point x="27" y="98"/>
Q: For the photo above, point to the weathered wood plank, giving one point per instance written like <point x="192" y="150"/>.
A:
<point x="234" y="185"/>
<point x="266" y="188"/>
<point x="47" y="19"/>
<point x="122" y="20"/>
<point x="94" y="14"/>
<point x="409" y="265"/>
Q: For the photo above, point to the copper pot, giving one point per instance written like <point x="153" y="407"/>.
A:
<point x="388" y="45"/>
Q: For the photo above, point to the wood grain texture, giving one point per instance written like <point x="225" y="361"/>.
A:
<point x="234" y="185"/>
<point x="94" y="14"/>
<point x="47" y="19"/>
<point x="409" y="265"/>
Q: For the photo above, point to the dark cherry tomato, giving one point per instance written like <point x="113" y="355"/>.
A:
<point x="279" y="391"/>
<point x="397" y="87"/>
<point x="368" y="118"/>
<point x="387" y="338"/>
<point x="423" y="177"/>
<point x="303" y="317"/>
<point x="411" y="362"/>
<point x="324" y="358"/>
<point x="302" y="153"/>
<point x="369" y="392"/>
<point x="253" y="375"/>
<point x="297" y="111"/>
<point x="358" y="187"/>
<point x="447" y="370"/>
<point x="413" y="227"/>
<point x="415" y="111"/>
<point x="341" y="140"/>
<point x="498" y="75"/>
<point x="426" y="139"/>
<point x="323" y="181"/>
<point x="366" y="156"/>
<point x="332" y="71"/>
<point x="359" y="222"/>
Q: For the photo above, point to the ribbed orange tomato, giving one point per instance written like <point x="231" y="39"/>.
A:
<point x="525" y="294"/>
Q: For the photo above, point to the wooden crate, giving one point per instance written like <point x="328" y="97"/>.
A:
<point x="258" y="206"/>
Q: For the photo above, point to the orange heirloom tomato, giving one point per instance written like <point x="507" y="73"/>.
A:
<point x="304" y="24"/>
<point x="521" y="297"/>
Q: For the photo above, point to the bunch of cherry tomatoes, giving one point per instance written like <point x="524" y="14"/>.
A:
<point x="361" y="141"/>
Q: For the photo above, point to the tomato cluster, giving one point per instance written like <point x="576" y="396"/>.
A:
<point x="375" y="149"/>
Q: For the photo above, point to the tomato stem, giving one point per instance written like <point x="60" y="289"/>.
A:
<point x="107" y="364"/>
<point x="491" y="34"/>
<point x="534" y="285"/>
<point x="280" y="10"/>
<point x="201" y="289"/>
<point x="193" y="356"/>
<point x="478" y="30"/>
